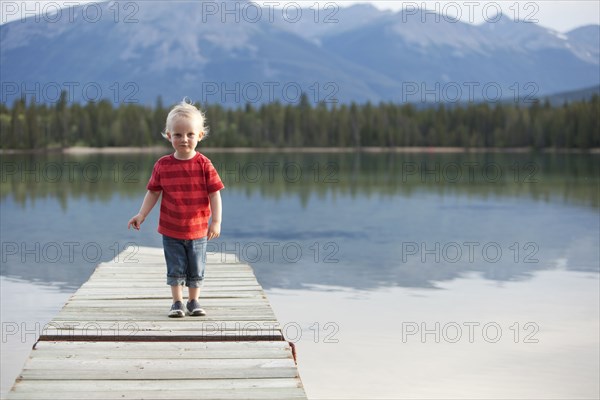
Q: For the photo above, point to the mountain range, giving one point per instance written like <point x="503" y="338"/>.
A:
<point x="138" y="51"/>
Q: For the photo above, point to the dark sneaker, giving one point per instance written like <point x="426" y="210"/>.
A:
<point x="177" y="310"/>
<point x="193" y="309"/>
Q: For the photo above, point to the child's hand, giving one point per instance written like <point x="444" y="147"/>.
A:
<point x="136" y="221"/>
<point x="214" y="230"/>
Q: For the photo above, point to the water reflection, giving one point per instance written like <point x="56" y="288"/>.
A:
<point x="356" y="220"/>
<point x="568" y="178"/>
<point x="415" y="344"/>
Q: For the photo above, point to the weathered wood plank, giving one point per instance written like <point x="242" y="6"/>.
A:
<point x="223" y="314"/>
<point x="195" y="321"/>
<point x="157" y="303"/>
<point x="208" y="287"/>
<point x="43" y="392"/>
<point x="168" y="325"/>
<point x="166" y="350"/>
<point x="78" y="309"/>
<point x="150" y="385"/>
<point x="166" y="369"/>
<point x="142" y="296"/>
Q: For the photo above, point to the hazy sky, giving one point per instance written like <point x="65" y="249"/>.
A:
<point x="561" y="15"/>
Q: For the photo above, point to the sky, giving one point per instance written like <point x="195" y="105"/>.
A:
<point x="560" y="15"/>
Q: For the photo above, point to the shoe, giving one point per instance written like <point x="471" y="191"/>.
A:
<point x="177" y="310"/>
<point x="193" y="309"/>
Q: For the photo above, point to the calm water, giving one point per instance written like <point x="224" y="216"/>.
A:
<point x="398" y="275"/>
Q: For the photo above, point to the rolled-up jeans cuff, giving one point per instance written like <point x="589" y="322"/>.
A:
<point x="186" y="261"/>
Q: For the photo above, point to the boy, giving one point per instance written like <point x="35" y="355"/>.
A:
<point x="190" y="188"/>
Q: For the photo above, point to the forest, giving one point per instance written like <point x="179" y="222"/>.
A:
<point x="31" y="125"/>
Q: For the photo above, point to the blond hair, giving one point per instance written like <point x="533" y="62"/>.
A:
<point x="185" y="109"/>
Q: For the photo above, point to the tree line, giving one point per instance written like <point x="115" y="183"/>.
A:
<point x="31" y="125"/>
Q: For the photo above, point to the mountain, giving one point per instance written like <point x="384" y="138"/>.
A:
<point x="559" y="99"/>
<point x="586" y="42"/>
<point x="506" y="58"/>
<point x="257" y="55"/>
<point x="327" y="19"/>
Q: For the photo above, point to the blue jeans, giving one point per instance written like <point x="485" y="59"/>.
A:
<point x="186" y="261"/>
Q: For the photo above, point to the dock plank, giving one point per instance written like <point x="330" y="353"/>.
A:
<point x="168" y="350"/>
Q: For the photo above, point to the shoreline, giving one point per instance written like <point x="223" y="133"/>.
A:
<point x="415" y="149"/>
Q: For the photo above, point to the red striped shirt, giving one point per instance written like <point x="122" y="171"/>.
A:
<point x="185" y="186"/>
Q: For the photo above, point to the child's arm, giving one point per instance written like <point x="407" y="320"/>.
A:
<point x="149" y="202"/>
<point x="214" y="230"/>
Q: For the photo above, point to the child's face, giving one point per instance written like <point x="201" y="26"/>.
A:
<point x="185" y="136"/>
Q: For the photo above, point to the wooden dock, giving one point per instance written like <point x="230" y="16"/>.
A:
<point x="113" y="339"/>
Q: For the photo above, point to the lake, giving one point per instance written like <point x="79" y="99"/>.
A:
<point x="397" y="275"/>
